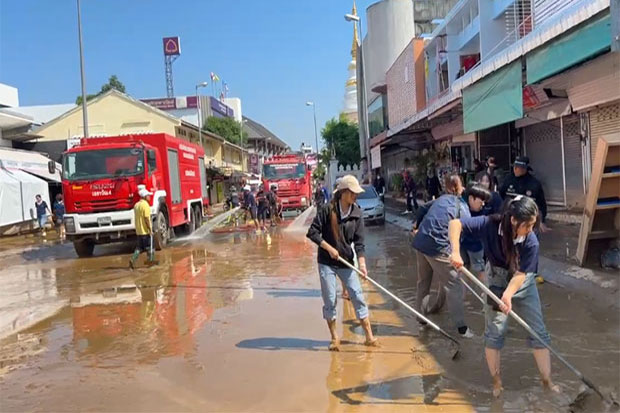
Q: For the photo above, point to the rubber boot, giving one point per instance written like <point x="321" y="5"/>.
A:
<point x="132" y="260"/>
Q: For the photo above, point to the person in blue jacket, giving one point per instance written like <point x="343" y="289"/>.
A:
<point x="433" y="249"/>
<point x="475" y="254"/>
<point x="512" y="250"/>
<point x="494" y="206"/>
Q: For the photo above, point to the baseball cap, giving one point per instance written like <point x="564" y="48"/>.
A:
<point x="351" y="183"/>
<point x="522" y="162"/>
<point x="143" y="192"/>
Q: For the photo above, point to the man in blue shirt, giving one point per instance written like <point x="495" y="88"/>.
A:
<point x="42" y="210"/>
<point x="433" y="249"/>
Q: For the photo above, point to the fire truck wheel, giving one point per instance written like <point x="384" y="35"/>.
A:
<point x="198" y="216"/>
<point x="161" y="231"/>
<point x="84" y="248"/>
<point x="191" y="225"/>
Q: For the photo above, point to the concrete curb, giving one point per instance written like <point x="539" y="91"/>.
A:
<point x="603" y="288"/>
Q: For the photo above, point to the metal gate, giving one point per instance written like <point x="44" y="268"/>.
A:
<point x="573" y="161"/>
<point x="543" y="145"/>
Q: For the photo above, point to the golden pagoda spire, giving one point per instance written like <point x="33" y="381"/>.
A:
<point x="355" y="37"/>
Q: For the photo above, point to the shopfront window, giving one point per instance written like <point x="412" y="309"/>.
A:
<point x="377" y="116"/>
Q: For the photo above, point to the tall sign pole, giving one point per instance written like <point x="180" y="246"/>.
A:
<point x="82" y="77"/>
<point x="172" y="50"/>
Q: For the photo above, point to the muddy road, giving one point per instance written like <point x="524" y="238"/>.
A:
<point x="232" y="322"/>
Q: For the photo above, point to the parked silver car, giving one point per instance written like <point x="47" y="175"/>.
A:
<point x="370" y="203"/>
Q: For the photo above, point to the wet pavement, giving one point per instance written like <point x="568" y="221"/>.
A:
<point x="232" y="322"/>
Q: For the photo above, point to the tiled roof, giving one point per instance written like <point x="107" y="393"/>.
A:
<point x="257" y="131"/>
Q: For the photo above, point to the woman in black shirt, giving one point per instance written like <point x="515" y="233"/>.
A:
<point x="335" y="227"/>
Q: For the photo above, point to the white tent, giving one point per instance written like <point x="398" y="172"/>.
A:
<point x="29" y="161"/>
<point x="17" y="196"/>
<point x="23" y="175"/>
<point x="10" y="199"/>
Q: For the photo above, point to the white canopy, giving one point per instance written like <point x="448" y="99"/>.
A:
<point x="29" y="161"/>
<point x="17" y="196"/>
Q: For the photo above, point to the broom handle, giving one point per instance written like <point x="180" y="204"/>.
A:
<point x="470" y="288"/>
<point x="388" y="292"/>
<point x="519" y="320"/>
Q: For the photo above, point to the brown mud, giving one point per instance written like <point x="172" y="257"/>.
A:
<point x="232" y="322"/>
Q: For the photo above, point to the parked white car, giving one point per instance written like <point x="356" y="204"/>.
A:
<point x="370" y="203"/>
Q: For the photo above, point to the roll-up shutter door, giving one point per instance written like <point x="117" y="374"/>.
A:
<point x="603" y="121"/>
<point x="544" y="148"/>
<point x="573" y="160"/>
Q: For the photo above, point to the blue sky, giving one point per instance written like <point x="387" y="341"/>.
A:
<point x="274" y="54"/>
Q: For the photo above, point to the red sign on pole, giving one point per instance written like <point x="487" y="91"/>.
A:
<point x="172" y="46"/>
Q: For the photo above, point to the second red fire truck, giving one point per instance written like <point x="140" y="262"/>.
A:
<point x="292" y="175"/>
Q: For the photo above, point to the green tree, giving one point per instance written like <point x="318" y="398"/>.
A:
<point x="113" y="83"/>
<point x="343" y="137"/>
<point x="227" y="128"/>
<point x="323" y="163"/>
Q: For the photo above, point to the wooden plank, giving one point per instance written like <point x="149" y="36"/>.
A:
<point x="604" y="234"/>
<point x="609" y="189"/>
<point x="613" y="156"/>
<point x="607" y="154"/>
<point x="604" y="207"/>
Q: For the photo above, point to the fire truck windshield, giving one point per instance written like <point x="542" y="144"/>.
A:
<point x="284" y="171"/>
<point x="107" y="163"/>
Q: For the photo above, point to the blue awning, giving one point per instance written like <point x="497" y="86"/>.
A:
<point x="494" y="100"/>
<point x="586" y="41"/>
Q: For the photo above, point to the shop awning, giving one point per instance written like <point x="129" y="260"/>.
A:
<point x="568" y="50"/>
<point x="494" y="100"/>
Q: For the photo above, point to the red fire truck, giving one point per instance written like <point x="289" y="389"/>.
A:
<point x="292" y="176"/>
<point x="100" y="178"/>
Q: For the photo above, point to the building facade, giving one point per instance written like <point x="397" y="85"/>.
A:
<point x="261" y="143"/>
<point x="517" y="77"/>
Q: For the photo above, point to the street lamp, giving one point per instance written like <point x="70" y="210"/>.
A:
<point x="243" y="121"/>
<point x="356" y="19"/>
<point x="316" y="136"/>
<point x="82" y="77"/>
<point x="199" y="85"/>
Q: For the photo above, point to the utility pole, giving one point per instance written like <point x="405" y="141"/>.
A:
<point x="83" y="79"/>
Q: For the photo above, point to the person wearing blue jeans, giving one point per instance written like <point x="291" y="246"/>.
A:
<point x="350" y="281"/>
<point x="338" y="229"/>
<point x="512" y="250"/>
<point x="42" y="210"/>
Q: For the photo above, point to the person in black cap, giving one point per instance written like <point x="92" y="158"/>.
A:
<point x="520" y="182"/>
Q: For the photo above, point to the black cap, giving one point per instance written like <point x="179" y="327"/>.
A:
<point x="522" y="162"/>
